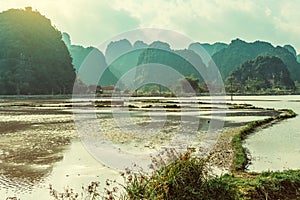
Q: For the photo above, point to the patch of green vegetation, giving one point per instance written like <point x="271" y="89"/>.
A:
<point x="243" y="106"/>
<point x="141" y="93"/>
<point x="184" y="178"/>
<point x="240" y="156"/>
<point x="102" y="105"/>
<point x="132" y="106"/>
<point x="171" y="106"/>
<point x="267" y="185"/>
<point x="288" y="113"/>
<point x="188" y="178"/>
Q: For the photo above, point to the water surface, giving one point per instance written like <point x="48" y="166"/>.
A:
<point x="39" y="144"/>
<point x="276" y="147"/>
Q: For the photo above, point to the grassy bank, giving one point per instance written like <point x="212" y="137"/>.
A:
<point x="187" y="178"/>
<point x="266" y="185"/>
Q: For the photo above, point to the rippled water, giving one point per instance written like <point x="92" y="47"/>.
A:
<point x="39" y="144"/>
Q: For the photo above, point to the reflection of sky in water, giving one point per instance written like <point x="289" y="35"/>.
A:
<point x="276" y="147"/>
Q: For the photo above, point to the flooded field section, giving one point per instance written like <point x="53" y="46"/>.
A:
<point x="40" y="144"/>
<point x="33" y="136"/>
<point x="276" y="147"/>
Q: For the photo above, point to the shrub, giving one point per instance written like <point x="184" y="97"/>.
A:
<point x="187" y="177"/>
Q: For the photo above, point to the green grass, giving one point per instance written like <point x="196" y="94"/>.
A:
<point x="184" y="178"/>
<point x="267" y="185"/>
<point x="187" y="178"/>
<point x="171" y="106"/>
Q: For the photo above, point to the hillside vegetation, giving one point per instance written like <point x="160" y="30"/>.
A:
<point x="238" y="52"/>
<point x="260" y="74"/>
<point x="33" y="58"/>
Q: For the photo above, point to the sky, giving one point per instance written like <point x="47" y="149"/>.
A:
<point x="91" y="22"/>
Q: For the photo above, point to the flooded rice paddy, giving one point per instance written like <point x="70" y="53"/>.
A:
<point x="276" y="147"/>
<point x="40" y="143"/>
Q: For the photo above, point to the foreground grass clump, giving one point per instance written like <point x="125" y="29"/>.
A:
<point x="267" y="185"/>
<point x="186" y="177"/>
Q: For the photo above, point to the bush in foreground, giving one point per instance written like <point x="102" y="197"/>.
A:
<point x="187" y="177"/>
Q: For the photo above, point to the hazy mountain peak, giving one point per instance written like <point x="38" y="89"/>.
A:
<point x="140" y="44"/>
<point x="160" y="45"/>
<point x="66" y="38"/>
<point x="291" y="49"/>
<point x="116" y="48"/>
<point x="211" y="49"/>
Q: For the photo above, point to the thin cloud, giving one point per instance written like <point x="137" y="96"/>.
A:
<point x="212" y="21"/>
<point x="91" y="22"/>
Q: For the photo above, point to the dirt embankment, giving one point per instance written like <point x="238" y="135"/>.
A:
<point x="222" y="155"/>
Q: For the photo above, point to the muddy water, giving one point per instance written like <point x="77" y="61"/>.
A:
<point x="40" y="146"/>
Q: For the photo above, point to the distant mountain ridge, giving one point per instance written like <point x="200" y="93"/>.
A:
<point x="142" y="54"/>
<point x="239" y="51"/>
<point x="124" y="56"/>
<point x="35" y="58"/>
<point x="80" y="53"/>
